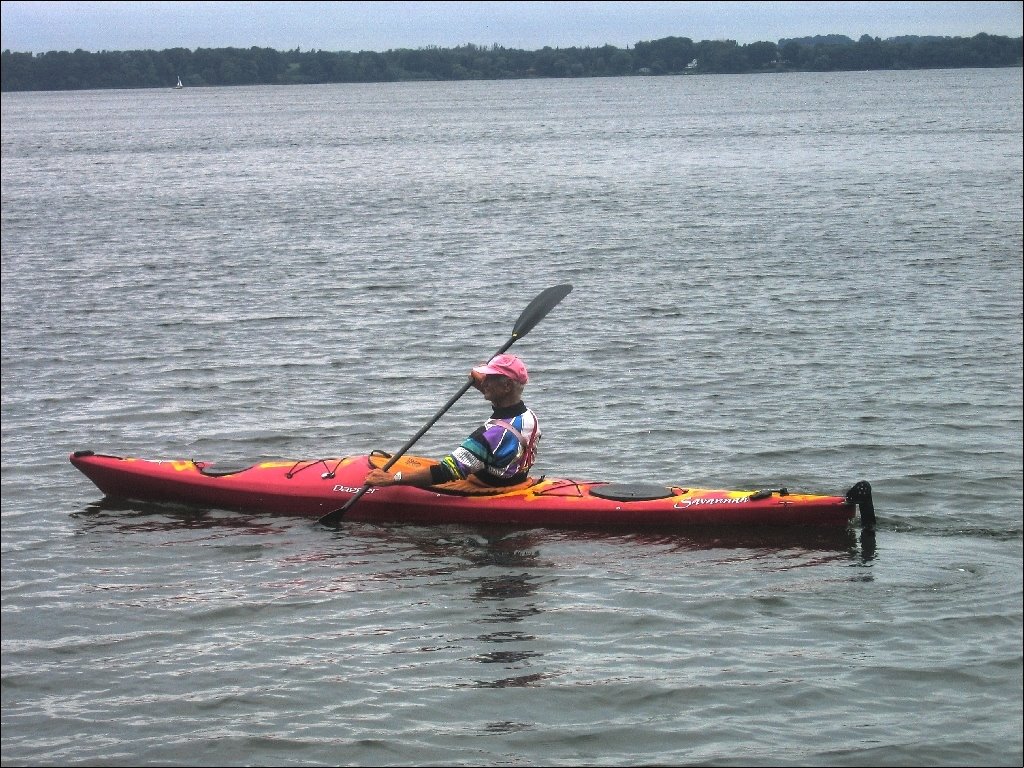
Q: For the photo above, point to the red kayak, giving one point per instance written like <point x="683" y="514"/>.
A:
<point x="314" y="488"/>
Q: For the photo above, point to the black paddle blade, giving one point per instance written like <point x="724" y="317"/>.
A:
<point x="332" y="519"/>
<point x="538" y="308"/>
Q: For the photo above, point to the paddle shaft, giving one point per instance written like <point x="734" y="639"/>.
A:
<point x="532" y="315"/>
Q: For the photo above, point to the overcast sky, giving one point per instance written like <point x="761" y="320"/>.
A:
<point x="39" y="26"/>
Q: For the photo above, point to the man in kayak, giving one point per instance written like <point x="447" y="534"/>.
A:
<point x="499" y="454"/>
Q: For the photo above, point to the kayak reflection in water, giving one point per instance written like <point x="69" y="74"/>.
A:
<point x="498" y="455"/>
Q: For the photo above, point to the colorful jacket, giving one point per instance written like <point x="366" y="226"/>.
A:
<point x="500" y="452"/>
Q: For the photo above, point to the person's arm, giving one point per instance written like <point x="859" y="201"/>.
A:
<point x="457" y="465"/>
<point x="420" y="478"/>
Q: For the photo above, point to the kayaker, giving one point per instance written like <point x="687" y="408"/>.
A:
<point x="496" y="456"/>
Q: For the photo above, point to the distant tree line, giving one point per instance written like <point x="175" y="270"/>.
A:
<point x="61" y="71"/>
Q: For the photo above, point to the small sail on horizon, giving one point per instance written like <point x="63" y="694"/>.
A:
<point x="179" y="85"/>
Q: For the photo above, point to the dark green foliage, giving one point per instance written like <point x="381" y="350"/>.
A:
<point x="60" y="70"/>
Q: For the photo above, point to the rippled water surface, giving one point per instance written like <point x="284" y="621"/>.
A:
<point x="799" y="280"/>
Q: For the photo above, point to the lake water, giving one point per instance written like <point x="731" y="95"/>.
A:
<point x="801" y="280"/>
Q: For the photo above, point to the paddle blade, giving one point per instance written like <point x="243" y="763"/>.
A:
<point x="538" y="308"/>
<point x="332" y="519"/>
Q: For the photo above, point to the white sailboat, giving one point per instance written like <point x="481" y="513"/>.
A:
<point x="179" y="85"/>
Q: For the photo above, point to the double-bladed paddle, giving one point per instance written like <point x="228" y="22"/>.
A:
<point x="537" y="309"/>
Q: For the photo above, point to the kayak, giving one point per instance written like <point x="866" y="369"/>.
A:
<point x="316" y="487"/>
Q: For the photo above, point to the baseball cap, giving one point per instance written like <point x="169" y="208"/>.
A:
<point x="505" y="365"/>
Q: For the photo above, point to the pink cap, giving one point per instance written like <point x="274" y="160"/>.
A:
<point x="505" y="365"/>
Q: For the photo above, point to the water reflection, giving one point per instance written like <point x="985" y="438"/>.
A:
<point x="514" y="595"/>
<point x="511" y="595"/>
<point x="504" y="547"/>
<point x="483" y="546"/>
<point x="506" y="726"/>
<point x="148" y="517"/>
<point x="801" y="547"/>
<point x="504" y="657"/>
<point x="503" y="571"/>
<point x="522" y="681"/>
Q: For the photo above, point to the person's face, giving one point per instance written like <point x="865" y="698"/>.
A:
<point x="496" y="388"/>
